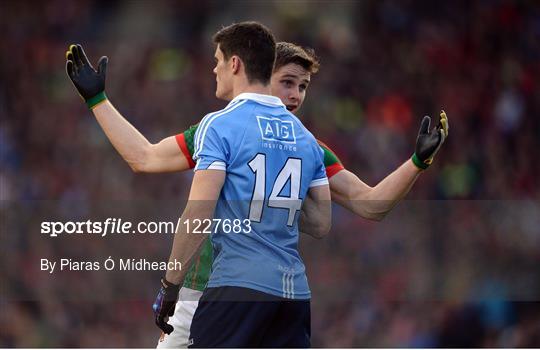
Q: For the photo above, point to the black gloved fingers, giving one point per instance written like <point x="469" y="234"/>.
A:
<point x="102" y="66"/>
<point x="70" y="70"/>
<point x="70" y="58"/>
<point x="82" y="56"/>
<point x="164" y="326"/>
<point x="424" y="125"/>
<point x="76" y="58"/>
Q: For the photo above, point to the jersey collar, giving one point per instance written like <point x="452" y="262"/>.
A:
<point x="268" y="100"/>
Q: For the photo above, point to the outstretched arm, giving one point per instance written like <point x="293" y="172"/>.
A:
<point x="374" y="203"/>
<point x="135" y="149"/>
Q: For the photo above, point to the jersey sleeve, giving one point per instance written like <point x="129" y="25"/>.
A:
<point x="331" y="162"/>
<point x="319" y="178"/>
<point x="210" y="151"/>
<point x="185" y="142"/>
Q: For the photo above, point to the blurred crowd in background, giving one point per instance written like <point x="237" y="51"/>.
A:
<point x="455" y="265"/>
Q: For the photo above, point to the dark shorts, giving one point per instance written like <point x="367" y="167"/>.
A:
<point x="235" y="317"/>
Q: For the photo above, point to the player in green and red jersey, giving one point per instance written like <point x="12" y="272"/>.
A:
<point x="290" y="79"/>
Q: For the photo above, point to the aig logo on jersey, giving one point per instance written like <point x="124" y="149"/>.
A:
<point x="275" y="129"/>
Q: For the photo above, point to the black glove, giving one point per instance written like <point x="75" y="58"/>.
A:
<point x="89" y="83"/>
<point x="165" y="304"/>
<point x="429" y="142"/>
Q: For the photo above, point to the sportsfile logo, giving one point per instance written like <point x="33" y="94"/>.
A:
<point x="275" y="129"/>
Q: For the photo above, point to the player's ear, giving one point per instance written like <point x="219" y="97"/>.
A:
<point x="235" y="64"/>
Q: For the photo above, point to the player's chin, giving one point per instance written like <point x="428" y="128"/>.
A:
<point x="220" y="93"/>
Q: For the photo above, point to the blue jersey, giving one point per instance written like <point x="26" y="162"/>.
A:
<point x="271" y="161"/>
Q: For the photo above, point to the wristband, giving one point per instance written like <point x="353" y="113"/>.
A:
<point x="96" y="100"/>
<point x="418" y="162"/>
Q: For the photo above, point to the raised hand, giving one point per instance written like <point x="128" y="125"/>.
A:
<point x="428" y="141"/>
<point x="89" y="83"/>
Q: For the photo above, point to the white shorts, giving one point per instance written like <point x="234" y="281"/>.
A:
<point x="188" y="299"/>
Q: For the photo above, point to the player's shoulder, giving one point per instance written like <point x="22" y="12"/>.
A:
<point x="225" y="121"/>
<point x="309" y="136"/>
<point x="311" y="142"/>
<point x="235" y="108"/>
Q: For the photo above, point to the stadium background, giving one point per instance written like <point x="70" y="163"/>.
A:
<point x="456" y="264"/>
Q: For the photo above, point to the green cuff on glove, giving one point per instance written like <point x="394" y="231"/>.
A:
<point x="94" y="101"/>
<point x="418" y="162"/>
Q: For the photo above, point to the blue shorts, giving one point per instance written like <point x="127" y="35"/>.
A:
<point x="235" y="317"/>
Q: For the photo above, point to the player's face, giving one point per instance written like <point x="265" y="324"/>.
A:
<point x="290" y="83"/>
<point x="223" y="72"/>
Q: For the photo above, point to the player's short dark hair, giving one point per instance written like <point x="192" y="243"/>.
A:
<point x="254" y="44"/>
<point x="291" y="53"/>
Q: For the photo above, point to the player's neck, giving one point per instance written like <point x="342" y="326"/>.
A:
<point x="256" y="88"/>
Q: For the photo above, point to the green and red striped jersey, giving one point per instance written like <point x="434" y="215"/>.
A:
<point x="199" y="272"/>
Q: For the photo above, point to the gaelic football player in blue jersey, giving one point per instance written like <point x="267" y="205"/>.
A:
<point x="256" y="165"/>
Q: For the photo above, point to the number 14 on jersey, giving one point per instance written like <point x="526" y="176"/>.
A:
<point x="291" y="172"/>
